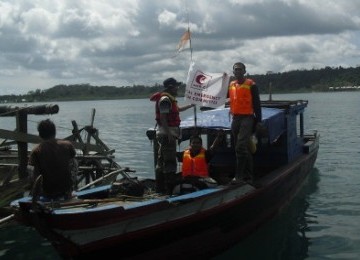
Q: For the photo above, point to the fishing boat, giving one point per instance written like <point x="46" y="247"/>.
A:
<point x="129" y="219"/>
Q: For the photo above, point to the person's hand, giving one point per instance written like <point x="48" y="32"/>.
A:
<point x="171" y="138"/>
<point x="260" y="129"/>
<point x="221" y="132"/>
<point x="259" y="125"/>
<point x="190" y="106"/>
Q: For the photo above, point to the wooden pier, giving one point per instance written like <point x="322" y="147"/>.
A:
<point x="95" y="159"/>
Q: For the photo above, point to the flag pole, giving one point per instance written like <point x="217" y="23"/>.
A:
<point x="195" y="117"/>
<point x="191" y="50"/>
<point x="189" y="34"/>
<point x="190" y="43"/>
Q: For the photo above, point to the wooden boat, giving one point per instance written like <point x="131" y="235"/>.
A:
<point x="138" y="223"/>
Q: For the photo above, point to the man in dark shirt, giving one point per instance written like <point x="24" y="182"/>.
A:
<point x="168" y="120"/>
<point x="51" y="159"/>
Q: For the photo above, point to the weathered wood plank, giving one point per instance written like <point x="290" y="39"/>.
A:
<point x="29" y="138"/>
<point x="19" y="136"/>
<point x="34" y="110"/>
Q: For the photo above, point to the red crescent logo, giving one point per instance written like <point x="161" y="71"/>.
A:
<point x="200" y="79"/>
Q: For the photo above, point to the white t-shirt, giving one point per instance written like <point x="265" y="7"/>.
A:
<point x="165" y="108"/>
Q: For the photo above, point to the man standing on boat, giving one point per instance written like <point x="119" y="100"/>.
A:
<point x="245" y="109"/>
<point x="52" y="160"/>
<point x="167" y="132"/>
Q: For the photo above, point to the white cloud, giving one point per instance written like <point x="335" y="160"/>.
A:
<point x="126" y="42"/>
<point x="37" y="21"/>
<point x="167" y="18"/>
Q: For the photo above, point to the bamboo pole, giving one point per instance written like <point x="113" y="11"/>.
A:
<point x="7" y="219"/>
<point x="101" y="178"/>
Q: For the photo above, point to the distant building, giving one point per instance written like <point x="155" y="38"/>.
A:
<point x="344" y="88"/>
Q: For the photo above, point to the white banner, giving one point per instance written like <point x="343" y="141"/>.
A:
<point x="206" y="89"/>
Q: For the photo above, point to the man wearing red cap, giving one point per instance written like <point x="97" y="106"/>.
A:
<point x="167" y="132"/>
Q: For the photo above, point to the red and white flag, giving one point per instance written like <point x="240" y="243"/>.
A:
<point x="184" y="42"/>
<point x="206" y="89"/>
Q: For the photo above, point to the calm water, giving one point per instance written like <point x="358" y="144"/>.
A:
<point x="323" y="221"/>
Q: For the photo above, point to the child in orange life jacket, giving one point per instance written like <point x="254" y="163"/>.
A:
<point x="195" y="159"/>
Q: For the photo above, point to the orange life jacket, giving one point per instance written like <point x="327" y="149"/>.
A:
<point x="241" y="98"/>
<point x="195" y="166"/>
<point x="173" y="118"/>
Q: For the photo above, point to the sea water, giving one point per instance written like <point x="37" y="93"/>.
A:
<point x="322" y="222"/>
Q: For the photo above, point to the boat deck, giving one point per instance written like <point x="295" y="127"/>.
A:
<point x="82" y="204"/>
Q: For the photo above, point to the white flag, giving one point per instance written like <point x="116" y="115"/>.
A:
<point x="206" y="89"/>
<point x="184" y="41"/>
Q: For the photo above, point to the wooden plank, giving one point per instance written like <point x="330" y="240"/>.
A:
<point x="29" y="138"/>
<point x="309" y="146"/>
<point x="34" y="110"/>
<point x="9" y="175"/>
<point x="19" y="137"/>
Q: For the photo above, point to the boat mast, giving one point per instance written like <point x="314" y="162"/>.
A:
<point x="268" y="73"/>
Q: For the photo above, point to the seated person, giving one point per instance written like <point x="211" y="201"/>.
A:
<point x="196" y="158"/>
<point x="195" y="173"/>
<point x="52" y="160"/>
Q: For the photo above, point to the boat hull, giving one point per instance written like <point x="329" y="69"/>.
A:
<point x="222" y="218"/>
<point x="198" y="224"/>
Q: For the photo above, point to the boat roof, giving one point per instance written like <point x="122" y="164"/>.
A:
<point x="272" y="118"/>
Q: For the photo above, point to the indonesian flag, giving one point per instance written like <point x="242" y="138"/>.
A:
<point x="185" y="38"/>
<point x="206" y="89"/>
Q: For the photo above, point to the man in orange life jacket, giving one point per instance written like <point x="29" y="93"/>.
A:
<point x="167" y="132"/>
<point x="195" y="159"/>
<point x="245" y="108"/>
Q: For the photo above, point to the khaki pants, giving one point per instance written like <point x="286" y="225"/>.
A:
<point x="166" y="165"/>
<point x="241" y="127"/>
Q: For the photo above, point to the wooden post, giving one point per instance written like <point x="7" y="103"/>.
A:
<point x="21" y="126"/>
<point x="155" y="151"/>
<point x="302" y="124"/>
<point x="90" y="130"/>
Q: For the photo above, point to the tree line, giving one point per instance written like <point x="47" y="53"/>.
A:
<point x="315" y="80"/>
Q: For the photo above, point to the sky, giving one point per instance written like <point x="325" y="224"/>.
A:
<point x="44" y="43"/>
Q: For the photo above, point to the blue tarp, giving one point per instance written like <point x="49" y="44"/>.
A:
<point x="273" y="119"/>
